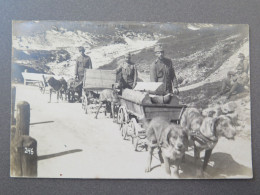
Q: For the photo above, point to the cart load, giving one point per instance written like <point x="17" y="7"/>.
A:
<point x="96" y="79"/>
<point x="156" y="88"/>
<point x="139" y="106"/>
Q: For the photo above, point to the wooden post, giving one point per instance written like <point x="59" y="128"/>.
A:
<point x="23" y="118"/>
<point x="28" y="155"/>
<point x="15" y="165"/>
<point x="13" y="95"/>
<point x="23" y="158"/>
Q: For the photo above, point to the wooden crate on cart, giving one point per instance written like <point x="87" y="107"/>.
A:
<point x="137" y="107"/>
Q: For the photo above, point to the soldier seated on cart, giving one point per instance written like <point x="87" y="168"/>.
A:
<point x="162" y="71"/>
<point x="128" y="73"/>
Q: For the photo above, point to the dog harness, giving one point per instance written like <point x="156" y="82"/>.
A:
<point x="203" y="140"/>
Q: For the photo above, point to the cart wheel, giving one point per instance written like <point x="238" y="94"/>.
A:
<point x="133" y="133"/>
<point x="122" y="118"/>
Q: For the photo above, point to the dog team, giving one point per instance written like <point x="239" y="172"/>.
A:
<point x="201" y="132"/>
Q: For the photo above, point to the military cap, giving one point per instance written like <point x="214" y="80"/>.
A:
<point x="81" y="48"/>
<point x="158" y="48"/>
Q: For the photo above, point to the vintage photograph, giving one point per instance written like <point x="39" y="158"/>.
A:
<point x="130" y="100"/>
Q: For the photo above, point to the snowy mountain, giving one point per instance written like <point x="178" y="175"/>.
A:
<point x="197" y="50"/>
<point x="54" y="47"/>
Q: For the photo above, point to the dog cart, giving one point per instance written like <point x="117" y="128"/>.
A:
<point x="140" y="105"/>
<point x="95" y="81"/>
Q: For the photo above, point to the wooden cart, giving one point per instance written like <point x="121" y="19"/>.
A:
<point x="94" y="81"/>
<point x="133" y="113"/>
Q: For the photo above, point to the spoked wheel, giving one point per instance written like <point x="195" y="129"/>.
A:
<point x="121" y="118"/>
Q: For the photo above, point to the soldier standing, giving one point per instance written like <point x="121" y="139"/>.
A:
<point x="128" y="73"/>
<point x="83" y="62"/>
<point x="162" y="71"/>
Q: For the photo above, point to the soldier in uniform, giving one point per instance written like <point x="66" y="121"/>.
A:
<point x="128" y="73"/>
<point x="162" y="71"/>
<point x="83" y="62"/>
<point x="235" y="83"/>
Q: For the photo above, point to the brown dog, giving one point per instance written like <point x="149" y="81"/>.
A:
<point x="108" y="97"/>
<point x="204" y="133"/>
<point x="170" y="140"/>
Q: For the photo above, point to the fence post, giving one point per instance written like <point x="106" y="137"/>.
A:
<point x="13" y="95"/>
<point x="28" y="153"/>
<point x="23" y="158"/>
<point x="15" y="158"/>
<point x="23" y="118"/>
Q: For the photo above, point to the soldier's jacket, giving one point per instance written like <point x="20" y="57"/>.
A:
<point x="242" y="79"/>
<point x="82" y="63"/>
<point x="162" y="71"/>
<point x="129" y="73"/>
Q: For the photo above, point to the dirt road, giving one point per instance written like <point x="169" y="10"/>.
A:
<point x="74" y="145"/>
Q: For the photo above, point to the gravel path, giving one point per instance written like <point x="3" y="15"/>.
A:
<point x="74" y="145"/>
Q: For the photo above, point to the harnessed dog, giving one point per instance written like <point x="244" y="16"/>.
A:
<point x="204" y="133"/>
<point x="110" y="98"/>
<point x="170" y="139"/>
<point x="60" y="86"/>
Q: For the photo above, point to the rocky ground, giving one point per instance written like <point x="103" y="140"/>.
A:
<point x="205" y="94"/>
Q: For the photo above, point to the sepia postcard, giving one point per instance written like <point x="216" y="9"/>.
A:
<point x="130" y="100"/>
